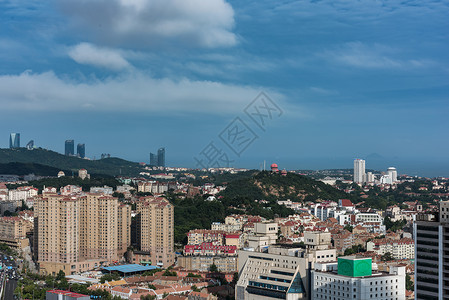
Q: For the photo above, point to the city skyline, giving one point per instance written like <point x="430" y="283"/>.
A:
<point x="330" y="67"/>
<point x="376" y="162"/>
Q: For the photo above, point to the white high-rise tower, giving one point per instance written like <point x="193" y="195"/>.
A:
<point x="393" y="174"/>
<point x="359" y="170"/>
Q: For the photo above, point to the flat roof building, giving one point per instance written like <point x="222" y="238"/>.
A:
<point x="353" y="278"/>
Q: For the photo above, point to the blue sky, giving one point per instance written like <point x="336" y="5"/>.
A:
<point x="126" y="77"/>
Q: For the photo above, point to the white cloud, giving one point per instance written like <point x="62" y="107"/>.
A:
<point x="89" y="54"/>
<point x="154" y="23"/>
<point x="376" y="56"/>
<point x="130" y="92"/>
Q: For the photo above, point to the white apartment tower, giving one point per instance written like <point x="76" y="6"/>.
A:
<point x="359" y="170"/>
<point x="393" y="174"/>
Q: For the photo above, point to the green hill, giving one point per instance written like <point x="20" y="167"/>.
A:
<point x="110" y="166"/>
<point x="272" y="187"/>
<point x="240" y="197"/>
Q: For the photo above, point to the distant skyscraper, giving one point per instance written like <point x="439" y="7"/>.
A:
<point x="69" y="147"/>
<point x="359" y="170"/>
<point x="81" y="150"/>
<point x="153" y="159"/>
<point x="161" y="157"/>
<point x="14" y="140"/>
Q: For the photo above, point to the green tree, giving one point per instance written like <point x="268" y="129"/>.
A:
<point x="62" y="284"/>
<point x="387" y="257"/>
<point x="195" y="288"/>
<point x="348" y="227"/>
<point x="60" y="275"/>
<point x="109" y="277"/>
<point x="50" y="281"/>
<point x="354" y="249"/>
<point x="235" y="278"/>
<point x="213" y="268"/>
<point x="409" y="285"/>
<point x="118" y="195"/>
<point x="150" y="272"/>
<point x="169" y="273"/>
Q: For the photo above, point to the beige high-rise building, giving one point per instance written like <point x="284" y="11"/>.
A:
<point x="75" y="234"/>
<point x="123" y="228"/>
<point x="98" y="223"/>
<point x="155" y="230"/>
<point x="13" y="231"/>
<point x="57" y="231"/>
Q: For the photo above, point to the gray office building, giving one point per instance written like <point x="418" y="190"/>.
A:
<point x="81" y="150"/>
<point x="158" y="160"/>
<point x="153" y="160"/>
<point x="161" y="157"/>
<point x="69" y="147"/>
<point x="431" y="233"/>
<point x="14" y="140"/>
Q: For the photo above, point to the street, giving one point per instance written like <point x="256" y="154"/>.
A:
<point x="9" y="276"/>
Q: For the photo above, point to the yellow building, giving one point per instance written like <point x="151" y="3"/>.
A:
<point x="123" y="228"/>
<point x="13" y="231"/>
<point x="75" y="234"/>
<point x="155" y="229"/>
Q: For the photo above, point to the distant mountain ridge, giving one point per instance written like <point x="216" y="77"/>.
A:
<point x="109" y="166"/>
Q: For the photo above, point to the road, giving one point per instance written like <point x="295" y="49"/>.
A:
<point x="10" y="274"/>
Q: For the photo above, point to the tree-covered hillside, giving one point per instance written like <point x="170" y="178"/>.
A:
<point x="15" y="168"/>
<point x="109" y="166"/>
<point x="268" y="186"/>
<point x="242" y="196"/>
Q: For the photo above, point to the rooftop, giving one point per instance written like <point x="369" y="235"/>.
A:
<point x="129" y="268"/>
<point x="67" y="293"/>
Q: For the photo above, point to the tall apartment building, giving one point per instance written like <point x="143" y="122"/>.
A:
<point x="99" y="227"/>
<point x="359" y="170"/>
<point x="56" y="234"/>
<point x="123" y="228"/>
<point x="154" y="230"/>
<point x="75" y="234"/>
<point x="431" y="235"/>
